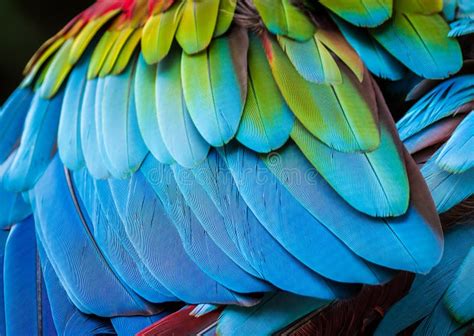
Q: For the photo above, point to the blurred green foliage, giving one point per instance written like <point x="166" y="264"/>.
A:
<point x="25" y="25"/>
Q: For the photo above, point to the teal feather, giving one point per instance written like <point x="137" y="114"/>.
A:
<point x="36" y="145"/>
<point x="121" y="135"/>
<point x="365" y="13"/>
<point x="215" y="86"/>
<point x="378" y="60"/>
<point x="145" y="77"/>
<point x="12" y="116"/>
<point x="456" y="156"/>
<point x="275" y="312"/>
<point x="89" y="142"/>
<point x="180" y="136"/>
<point x="69" y="131"/>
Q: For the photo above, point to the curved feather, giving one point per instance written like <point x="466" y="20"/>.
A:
<point x="281" y="17"/>
<point x="158" y="33"/>
<point x="90" y="146"/>
<point x="366" y="13"/>
<point x="121" y="135"/>
<point x="421" y="43"/>
<point x="13" y="208"/>
<point x="353" y="126"/>
<point x="36" y="145"/>
<point x="378" y="60"/>
<point x="225" y="16"/>
<point x="267" y="121"/>
<point x="147" y="118"/>
<point x="12" y="117"/>
<point x="57" y="71"/>
<point x="197" y="25"/>
<point x="69" y="137"/>
<point x="215" y="86"/>
<point x="180" y="136"/>
<point x="456" y="156"/>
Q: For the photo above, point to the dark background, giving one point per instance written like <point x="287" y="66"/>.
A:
<point x="25" y="25"/>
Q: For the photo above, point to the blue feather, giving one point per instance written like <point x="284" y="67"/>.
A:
<point x="292" y="225"/>
<point x="89" y="142"/>
<point x="80" y="265"/>
<point x="68" y="320"/>
<point x="180" y="136"/>
<point x="120" y="132"/>
<point x="407" y="243"/>
<point x="131" y="325"/>
<point x="3" y="241"/>
<point x="13" y="208"/>
<point x="69" y="132"/>
<point x="427" y="290"/>
<point x="275" y="312"/>
<point x="461" y="27"/>
<point x="12" y="117"/>
<point x="147" y="224"/>
<point x="26" y="306"/>
<point x="444" y="100"/>
<point x="37" y="144"/>
<point x="254" y="242"/>
<point x="447" y="189"/>
<point x="380" y="62"/>
<point x="196" y="241"/>
<point x="147" y="117"/>
<point x="457" y="156"/>
<point x="111" y="238"/>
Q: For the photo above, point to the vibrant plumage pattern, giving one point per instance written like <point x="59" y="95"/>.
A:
<point x="230" y="166"/>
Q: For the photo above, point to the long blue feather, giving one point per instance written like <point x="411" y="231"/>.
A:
<point x="275" y="312"/>
<point x="292" y="225"/>
<point x="444" y="100"/>
<point x="111" y="238"/>
<point x="180" y="136"/>
<point x="68" y="320"/>
<point x="37" y="143"/>
<point x="196" y="241"/>
<point x="427" y="290"/>
<point x="3" y="241"/>
<point x="147" y="117"/>
<point x="69" y="131"/>
<point x="89" y="142"/>
<point x="261" y="250"/>
<point x="12" y="117"/>
<point x="26" y="305"/>
<point x="447" y="189"/>
<point x="120" y="132"/>
<point x="147" y="224"/>
<point x="407" y="243"/>
<point x="62" y="228"/>
<point x="456" y="156"/>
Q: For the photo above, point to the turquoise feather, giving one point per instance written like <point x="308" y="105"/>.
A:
<point x="365" y="13"/>
<point x="69" y="131"/>
<point x="457" y="156"/>
<point x="36" y="145"/>
<point x="89" y="141"/>
<point x="215" y="86"/>
<point x="121" y="136"/>
<point x="180" y="136"/>
<point x="12" y="117"/>
<point x="145" y="77"/>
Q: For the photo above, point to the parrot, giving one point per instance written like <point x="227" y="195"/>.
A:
<point x="242" y="167"/>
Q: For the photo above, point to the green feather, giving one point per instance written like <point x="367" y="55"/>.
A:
<point x="267" y="121"/>
<point x="197" y="25"/>
<point x="281" y="17"/>
<point x="225" y="16"/>
<point x="338" y="115"/>
<point x="57" y="71"/>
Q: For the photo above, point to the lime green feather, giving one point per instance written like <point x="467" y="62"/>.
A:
<point x="225" y="16"/>
<point x="197" y="25"/>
